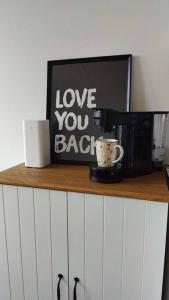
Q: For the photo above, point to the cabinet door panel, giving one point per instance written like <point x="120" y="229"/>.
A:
<point x="117" y="246"/>
<point x="4" y="275"/>
<point x="141" y="231"/>
<point x="133" y="246"/>
<point x="85" y="215"/>
<point x="113" y="250"/>
<point x="13" y="241"/>
<point x="29" y="260"/>
<point x="76" y="242"/>
<point x="154" y="250"/>
<point x="43" y="243"/>
<point x="93" y="247"/>
<point x="58" y="202"/>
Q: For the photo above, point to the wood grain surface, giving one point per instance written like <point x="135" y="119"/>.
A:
<point x="75" y="178"/>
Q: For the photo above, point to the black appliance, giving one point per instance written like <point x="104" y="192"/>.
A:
<point x="134" y="131"/>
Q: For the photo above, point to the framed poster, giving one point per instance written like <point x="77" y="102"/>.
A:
<point x="74" y="88"/>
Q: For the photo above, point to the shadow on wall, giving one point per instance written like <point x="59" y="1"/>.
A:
<point x="138" y="98"/>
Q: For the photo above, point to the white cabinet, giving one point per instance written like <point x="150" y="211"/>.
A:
<point x="115" y="246"/>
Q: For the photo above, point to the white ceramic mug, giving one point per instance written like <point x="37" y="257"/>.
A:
<point x="106" y="152"/>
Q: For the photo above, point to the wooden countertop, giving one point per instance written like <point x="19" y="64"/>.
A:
<point x="75" y="178"/>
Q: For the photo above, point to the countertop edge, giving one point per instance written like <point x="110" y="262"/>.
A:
<point x="130" y="195"/>
<point x="71" y="178"/>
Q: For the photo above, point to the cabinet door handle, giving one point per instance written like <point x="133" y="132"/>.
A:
<point x="76" y="279"/>
<point x="60" y="276"/>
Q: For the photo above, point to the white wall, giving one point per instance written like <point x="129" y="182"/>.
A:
<point x="32" y="32"/>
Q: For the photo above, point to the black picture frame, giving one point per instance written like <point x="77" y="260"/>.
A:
<point x="54" y="65"/>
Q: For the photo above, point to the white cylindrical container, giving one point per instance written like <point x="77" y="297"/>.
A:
<point x="36" y="143"/>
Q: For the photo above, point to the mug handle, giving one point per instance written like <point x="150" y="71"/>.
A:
<point x="121" y="153"/>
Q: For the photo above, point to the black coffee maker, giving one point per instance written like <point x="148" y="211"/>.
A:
<point x="134" y="131"/>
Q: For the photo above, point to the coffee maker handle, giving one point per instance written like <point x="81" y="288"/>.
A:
<point x="121" y="153"/>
